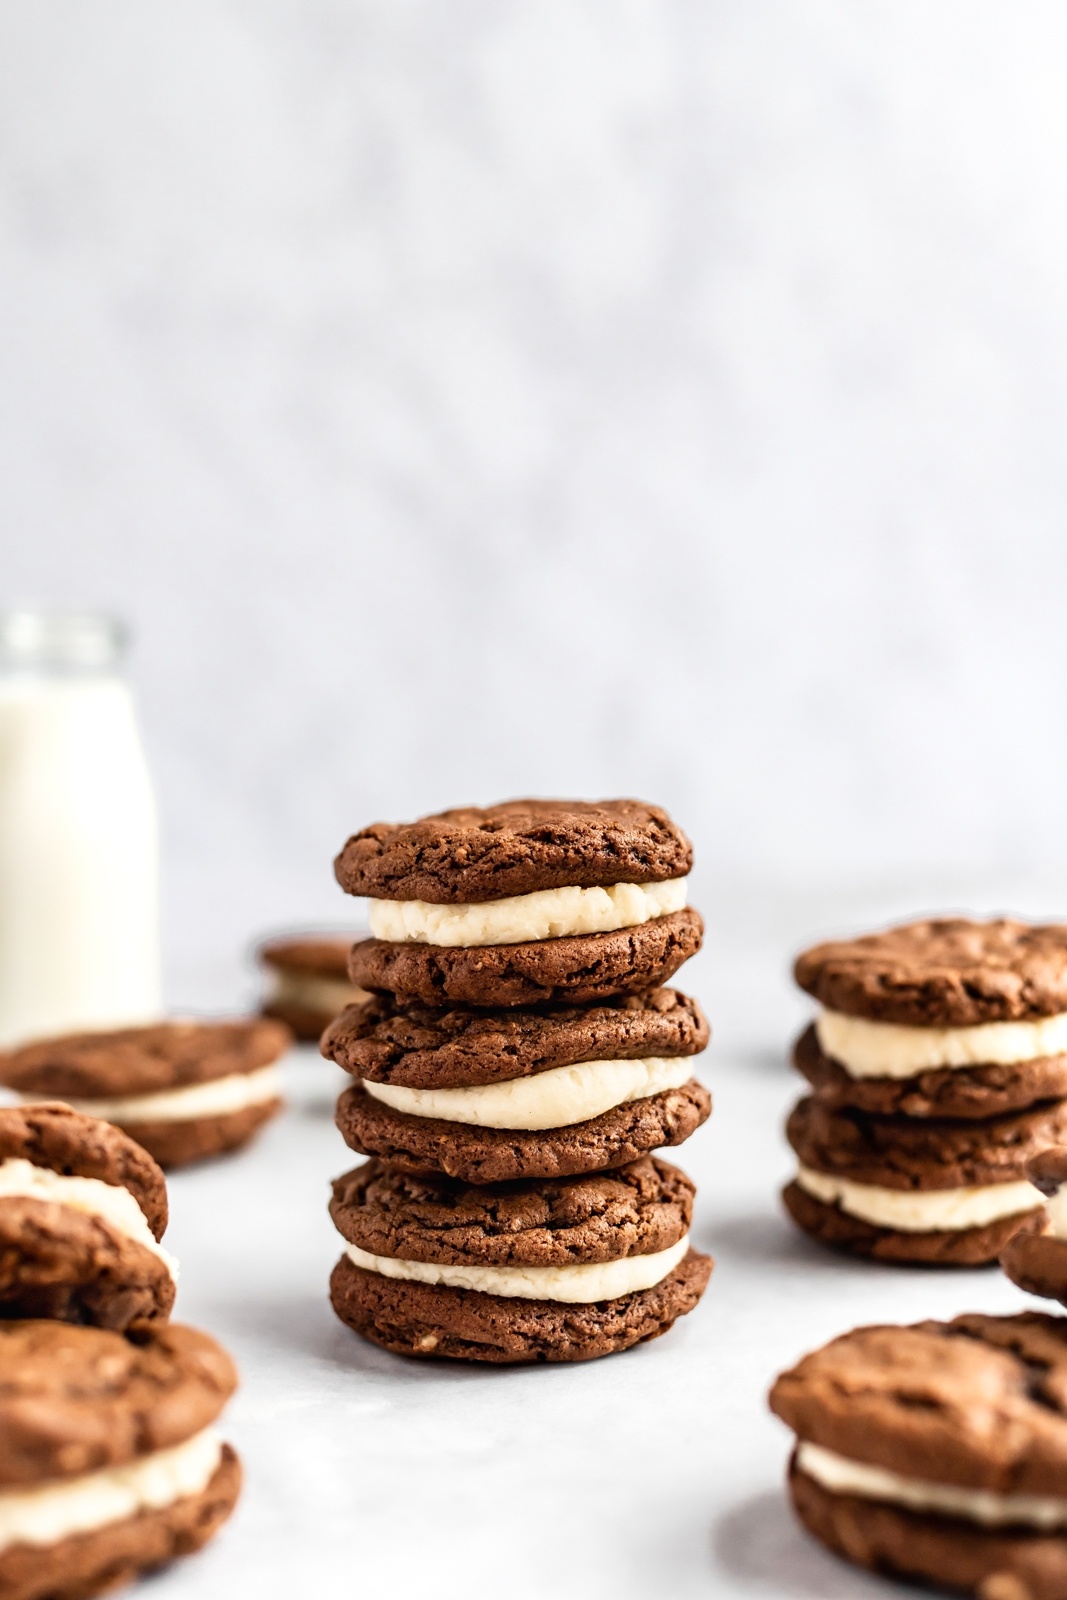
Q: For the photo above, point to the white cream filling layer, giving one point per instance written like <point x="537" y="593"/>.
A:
<point x="887" y="1050"/>
<point x="925" y="1210"/>
<point x="329" y="995"/>
<point x="214" y="1099"/>
<point x="110" y="1202"/>
<point x="582" y="1284"/>
<point x="55" y="1511"/>
<point x="546" y="914"/>
<point x="1056" y="1208"/>
<point x="554" y="1099"/>
<point x="842" y="1476"/>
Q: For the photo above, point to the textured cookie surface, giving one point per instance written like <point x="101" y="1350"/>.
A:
<point x="310" y="955"/>
<point x="496" y="1155"/>
<point x="949" y="1553"/>
<point x="422" y="1047"/>
<point x="918" y="1153"/>
<point x="978" y="1091"/>
<point x="636" y="1210"/>
<point x="979" y="1402"/>
<point x="1036" y="1260"/>
<point x="56" y="1261"/>
<point x="67" y="1142"/>
<point x="110" y="1557"/>
<point x="421" y="1319"/>
<point x="581" y="969"/>
<point x="942" y="972"/>
<point x="178" y="1144"/>
<point x="479" y="853"/>
<point x="132" y="1061"/>
<point x="76" y="1400"/>
<point x="949" y="1247"/>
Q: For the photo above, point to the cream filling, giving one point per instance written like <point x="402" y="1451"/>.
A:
<point x="546" y="914"/>
<point x="554" y="1099"/>
<point x="214" y="1099"/>
<point x="886" y="1050"/>
<point x="582" y="1284"/>
<point x="842" y="1476"/>
<point x="1056" y="1208"/>
<point x="328" y="995"/>
<point x="56" y="1510"/>
<point x="922" y="1210"/>
<point x="110" y="1202"/>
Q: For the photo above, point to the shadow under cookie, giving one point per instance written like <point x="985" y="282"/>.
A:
<point x="494" y="1155"/>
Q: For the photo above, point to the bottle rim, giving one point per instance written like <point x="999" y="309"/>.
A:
<point x="60" y="639"/>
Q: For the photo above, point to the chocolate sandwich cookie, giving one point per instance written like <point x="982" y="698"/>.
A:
<point x="310" y="982"/>
<point x="489" y="1096"/>
<point x="916" y="1190"/>
<point x="183" y="1090"/>
<point x="946" y="1017"/>
<point x="521" y="904"/>
<point x="82" y="1211"/>
<point x="938" y="1452"/>
<point x="1035" y="1257"/>
<point x="520" y="1272"/>
<point x="109" y="1464"/>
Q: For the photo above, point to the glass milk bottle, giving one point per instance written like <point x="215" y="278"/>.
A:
<point x="79" y="870"/>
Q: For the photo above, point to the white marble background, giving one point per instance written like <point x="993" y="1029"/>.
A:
<point x="501" y="395"/>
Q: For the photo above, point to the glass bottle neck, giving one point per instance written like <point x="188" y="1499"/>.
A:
<point x="58" y="643"/>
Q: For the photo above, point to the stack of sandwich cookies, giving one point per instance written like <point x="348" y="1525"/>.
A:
<point x="309" y="981"/>
<point x="183" y="1090"/>
<point x="562" y="1270"/>
<point x="493" y="1095"/>
<point x="939" y="1068"/>
<point x="82" y="1211"/>
<point x="110" y="1465"/>
<point x="938" y="1452"/>
<point x="519" y="1037"/>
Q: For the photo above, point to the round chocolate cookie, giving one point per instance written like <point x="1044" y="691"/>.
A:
<point x="1035" y="1257"/>
<point x="82" y="1208"/>
<point x="424" y="1047"/>
<point x="78" y="1403"/>
<point x="638" y="1209"/>
<point x="918" y="1158"/>
<point x="578" y="969"/>
<point x="183" y="1090"/>
<point x="422" y="1319"/>
<point x="978" y="1091"/>
<point x="922" y="1450"/>
<point x="494" y="1155"/>
<point x="310" y="980"/>
<point x="943" y="972"/>
<point x="477" y="853"/>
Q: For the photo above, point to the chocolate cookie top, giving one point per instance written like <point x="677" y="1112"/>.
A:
<point x="942" y="972"/>
<point x="75" y="1400"/>
<point x="636" y="1210"/>
<point x="132" y="1061"/>
<point x="1048" y="1171"/>
<point x="922" y="1152"/>
<point x="422" y="1047"/>
<point x="67" y="1142"/>
<point x="979" y="1402"/>
<point x="318" y="955"/>
<point x="480" y="853"/>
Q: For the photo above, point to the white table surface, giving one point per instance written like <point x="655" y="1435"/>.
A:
<point x="656" y="1472"/>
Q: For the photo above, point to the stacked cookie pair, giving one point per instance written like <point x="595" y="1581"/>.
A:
<point x="308" y="981"/>
<point x="519" y="1061"/>
<point x="938" y="1068"/>
<point x="110" y="1465"/>
<point x="937" y="1452"/>
<point x="183" y="1090"/>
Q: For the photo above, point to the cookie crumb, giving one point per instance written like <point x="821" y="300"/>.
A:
<point x="430" y="1341"/>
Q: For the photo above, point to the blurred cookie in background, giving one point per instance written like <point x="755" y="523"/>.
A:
<point x="182" y="1089"/>
<point x="309" y="982"/>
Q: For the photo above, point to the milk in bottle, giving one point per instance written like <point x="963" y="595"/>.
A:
<point x="79" y="910"/>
